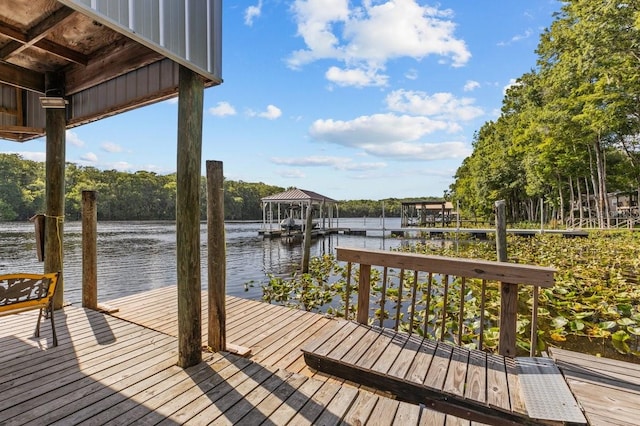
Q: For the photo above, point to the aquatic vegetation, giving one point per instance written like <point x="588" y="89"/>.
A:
<point x="596" y="297"/>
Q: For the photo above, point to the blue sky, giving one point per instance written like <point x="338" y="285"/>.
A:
<point x="351" y="99"/>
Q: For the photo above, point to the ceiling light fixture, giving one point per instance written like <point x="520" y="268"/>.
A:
<point x="53" y="102"/>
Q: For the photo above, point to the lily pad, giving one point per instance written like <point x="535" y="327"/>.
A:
<point x="607" y="325"/>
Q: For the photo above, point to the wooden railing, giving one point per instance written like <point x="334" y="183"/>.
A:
<point x="442" y="277"/>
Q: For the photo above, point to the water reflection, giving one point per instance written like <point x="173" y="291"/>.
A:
<point x="138" y="256"/>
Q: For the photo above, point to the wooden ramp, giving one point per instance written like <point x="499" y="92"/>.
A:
<point x="450" y="379"/>
<point x="608" y="390"/>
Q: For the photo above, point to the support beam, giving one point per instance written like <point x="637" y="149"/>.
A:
<point x="54" y="191"/>
<point x="191" y="92"/>
<point x="217" y="258"/>
<point x="89" y="250"/>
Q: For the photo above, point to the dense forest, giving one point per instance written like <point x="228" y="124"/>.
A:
<point x="569" y="130"/>
<point x="141" y="195"/>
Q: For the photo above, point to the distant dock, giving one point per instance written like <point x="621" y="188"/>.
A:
<point x="415" y="232"/>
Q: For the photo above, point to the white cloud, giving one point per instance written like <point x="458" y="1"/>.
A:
<point x="122" y="166"/>
<point x="422" y="151"/>
<point x="111" y="147"/>
<point x="337" y="163"/>
<point x="74" y="139"/>
<point x="222" y="109"/>
<point x="471" y="85"/>
<point x="512" y="82"/>
<point x="391" y="136"/>
<point x="89" y="157"/>
<point x="252" y="12"/>
<point x="28" y="155"/>
<point x="356" y="77"/>
<point x="376" y="129"/>
<point x="172" y="101"/>
<point x="518" y="37"/>
<point x="365" y="37"/>
<point x="443" y="106"/>
<point x="291" y="173"/>
<point x="411" y="74"/>
<point x="271" y="113"/>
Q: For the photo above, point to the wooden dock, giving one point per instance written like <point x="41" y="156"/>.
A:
<point x="419" y="232"/>
<point x="608" y="390"/>
<point x="120" y="369"/>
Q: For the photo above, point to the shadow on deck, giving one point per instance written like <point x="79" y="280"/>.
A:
<point x="121" y="369"/>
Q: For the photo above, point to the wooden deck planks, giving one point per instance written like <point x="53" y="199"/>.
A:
<point x="448" y="378"/>
<point x="112" y="370"/>
<point x="607" y="390"/>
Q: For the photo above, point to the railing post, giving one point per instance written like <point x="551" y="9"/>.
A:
<point x="508" y="291"/>
<point x="89" y="251"/>
<point x="364" y="290"/>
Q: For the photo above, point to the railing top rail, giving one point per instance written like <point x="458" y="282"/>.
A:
<point x="471" y="268"/>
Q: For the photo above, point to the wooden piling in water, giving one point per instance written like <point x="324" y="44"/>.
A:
<point x="216" y="254"/>
<point x="306" y="253"/>
<point x="191" y="90"/>
<point x="89" y="251"/>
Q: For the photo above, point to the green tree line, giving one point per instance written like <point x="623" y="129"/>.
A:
<point x="141" y="195"/>
<point x="569" y="130"/>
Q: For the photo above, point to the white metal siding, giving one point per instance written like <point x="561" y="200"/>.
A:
<point x="187" y="31"/>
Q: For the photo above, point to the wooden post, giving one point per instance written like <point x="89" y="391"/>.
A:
<point x="306" y="252"/>
<point x="191" y="92"/>
<point x="501" y="231"/>
<point x="54" y="190"/>
<point x="364" y="291"/>
<point x="508" y="291"/>
<point x="89" y="252"/>
<point x="216" y="257"/>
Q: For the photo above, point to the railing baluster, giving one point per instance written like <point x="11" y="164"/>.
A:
<point x="413" y="300"/>
<point x="534" y="323"/>
<point x="427" y="310"/>
<point x="461" y="313"/>
<point x="483" y="300"/>
<point x="384" y="294"/>
<point x="399" y="305"/>
<point x="444" y="307"/>
<point x="347" y="292"/>
<point x="364" y="292"/>
<point x="439" y="269"/>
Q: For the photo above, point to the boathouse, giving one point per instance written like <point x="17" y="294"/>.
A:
<point x="70" y="62"/>
<point x="289" y="209"/>
<point x="427" y="213"/>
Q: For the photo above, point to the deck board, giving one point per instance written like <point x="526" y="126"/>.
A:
<point x="451" y="379"/>
<point x="607" y="390"/>
<point x="121" y="369"/>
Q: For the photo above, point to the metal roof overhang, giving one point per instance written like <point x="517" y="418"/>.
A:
<point x="104" y="57"/>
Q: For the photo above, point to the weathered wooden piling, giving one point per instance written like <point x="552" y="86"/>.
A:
<point x="54" y="189"/>
<point x="89" y="250"/>
<point x="216" y="254"/>
<point x="191" y="92"/>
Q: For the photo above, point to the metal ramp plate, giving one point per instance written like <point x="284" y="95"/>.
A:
<point x="545" y="392"/>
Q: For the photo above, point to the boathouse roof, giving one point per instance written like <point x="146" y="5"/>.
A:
<point x="99" y="57"/>
<point x="297" y="195"/>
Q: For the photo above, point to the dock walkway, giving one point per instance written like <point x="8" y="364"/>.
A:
<point x="451" y="379"/>
<point x="121" y="370"/>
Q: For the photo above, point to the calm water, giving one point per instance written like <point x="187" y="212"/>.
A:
<point x="138" y="256"/>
